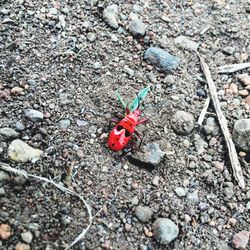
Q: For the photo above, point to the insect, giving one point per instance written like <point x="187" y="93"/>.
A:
<point x="125" y="129"/>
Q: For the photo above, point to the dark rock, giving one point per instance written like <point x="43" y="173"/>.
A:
<point x="241" y="134"/>
<point x="8" y="133"/>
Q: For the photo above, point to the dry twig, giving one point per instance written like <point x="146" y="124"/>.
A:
<point x="231" y="68"/>
<point x="204" y="111"/>
<point x="8" y="168"/>
<point x="237" y="171"/>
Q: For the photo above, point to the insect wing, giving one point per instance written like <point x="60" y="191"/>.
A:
<point x="121" y="100"/>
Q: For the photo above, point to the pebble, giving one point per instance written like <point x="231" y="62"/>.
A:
<point x="211" y="126"/>
<point x="64" y="123"/>
<point x="22" y="246"/>
<point x="53" y="11"/>
<point x="203" y="206"/>
<point x="244" y="79"/>
<point x="229" y="192"/>
<point x="81" y="123"/>
<point x="33" y="115"/>
<point x="91" y="37"/>
<point x="135" y="201"/>
<point x="243" y="92"/>
<point x="8" y="133"/>
<point x="16" y="90"/>
<point x="201" y="92"/>
<point x="200" y="144"/>
<point x="232" y="221"/>
<point x="137" y="28"/>
<point x="19" y="126"/>
<point x="165" y="230"/>
<point x="183" y="122"/>
<point x="128" y="227"/>
<point x="4" y="176"/>
<point x="156" y="181"/>
<point x="27" y="237"/>
<point x="248" y="205"/>
<point x="5" y="231"/>
<point x="229" y="50"/>
<point x="143" y="214"/>
<point x="240" y="240"/>
<point x="150" y="155"/>
<point x="110" y="16"/>
<point x="97" y="65"/>
<point x="185" y="43"/>
<point x="241" y="134"/>
<point x="247" y="100"/>
<point x="234" y="88"/>
<point x="20" y="151"/>
<point x="193" y="197"/>
<point x="2" y="191"/>
<point x="161" y="59"/>
<point x="180" y="191"/>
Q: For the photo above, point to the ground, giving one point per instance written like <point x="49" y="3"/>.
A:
<point x="72" y="70"/>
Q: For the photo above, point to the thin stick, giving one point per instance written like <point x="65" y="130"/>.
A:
<point x="204" y="111"/>
<point x="8" y="168"/>
<point x="237" y="171"/>
<point x="231" y="68"/>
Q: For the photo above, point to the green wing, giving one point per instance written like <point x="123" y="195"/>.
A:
<point x="121" y="100"/>
<point x="135" y="103"/>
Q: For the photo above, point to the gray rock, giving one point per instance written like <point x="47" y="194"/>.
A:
<point x="183" y="122"/>
<point x="2" y="191"/>
<point x="8" y="133"/>
<point x="3" y="146"/>
<point x="53" y="11"/>
<point x="4" y="177"/>
<point x="241" y="134"/>
<point x="162" y="59"/>
<point x="137" y="28"/>
<point x="185" y="43"/>
<point x="97" y="65"/>
<point x="165" y="230"/>
<point x="19" y="180"/>
<point x="229" y="50"/>
<point x="180" y="191"/>
<point x="135" y="201"/>
<point x="33" y="226"/>
<point x="64" y="123"/>
<point x="211" y="127"/>
<point x="200" y="144"/>
<point x="240" y="240"/>
<point x="143" y="214"/>
<point x="110" y="16"/>
<point x="229" y="192"/>
<point x="81" y="123"/>
<point x="19" y="126"/>
<point x="114" y="38"/>
<point x="33" y="115"/>
<point x="156" y="181"/>
<point x="91" y="37"/>
<point x="203" y="206"/>
<point x="27" y="237"/>
<point x="137" y="8"/>
<point x="20" y="151"/>
<point x="193" y="197"/>
<point x="248" y="205"/>
<point x="151" y="155"/>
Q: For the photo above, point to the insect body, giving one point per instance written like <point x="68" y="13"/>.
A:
<point x="125" y="129"/>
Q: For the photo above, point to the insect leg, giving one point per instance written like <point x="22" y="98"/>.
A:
<point x="142" y="121"/>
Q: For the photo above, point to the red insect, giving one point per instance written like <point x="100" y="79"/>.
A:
<point x="125" y="129"/>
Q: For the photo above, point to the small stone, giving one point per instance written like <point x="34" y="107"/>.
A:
<point x="135" y="201"/>
<point x="248" y="205"/>
<point x="2" y="191"/>
<point x="240" y="240"/>
<point x="17" y="90"/>
<point x="127" y="227"/>
<point x="22" y="246"/>
<point x="161" y="59"/>
<point x="229" y="192"/>
<point x="19" y="180"/>
<point x="201" y="92"/>
<point x="203" y="206"/>
<point x="5" y="231"/>
<point x="211" y="126"/>
<point x="232" y="221"/>
<point x="19" y="126"/>
<point x="53" y="11"/>
<point x="165" y="230"/>
<point x="91" y="37"/>
<point x="110" y="16"/>
<point x="33" y="115"/>
<point x="114" y="38"/>
<point x="242" y="154"/>
<point x="81" y="123"/>
<point x="4" y="177"/>
<point x="229" y="50"/>
<point x="137" y="28"/>
<point x="243" y="92"/>
<point x="247" y="100"/>
<point x="64" y="123"/>
<point x="244" y="79"/>
<point x="156" y="181"/>
<point x="62" y="21"/>
<point x="185" y="43"/>
<point x="234" y="88"/>
<point x="20" y="151"/>
<point x="151" y="155"/>
<point x="143" y="214"/>
<point x="193" y="197"/>
<point x="129" y="71"/>
<point x="183" y="122"/>
<point x="200" y="144"/>
<point x="8" y="133"/>
<point x="241" y="134"/>
<point x="97" y="65"/>
<point x="27" y="237"/>
<point x="180" y="191"/>
<point x="147" y="232"/>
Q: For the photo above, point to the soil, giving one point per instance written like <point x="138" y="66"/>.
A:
<point x="73" y="72"/>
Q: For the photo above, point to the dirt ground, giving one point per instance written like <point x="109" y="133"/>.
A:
<point x="69" y="64"/>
